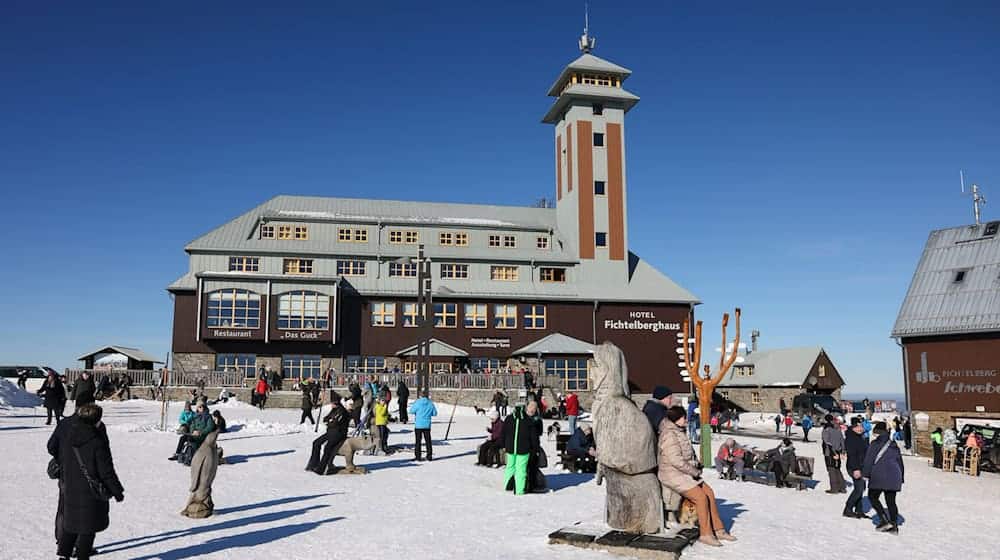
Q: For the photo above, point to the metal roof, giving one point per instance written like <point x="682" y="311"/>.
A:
<point x="938" y="302"/>
<point x="437" y="348"/>
<point x="587" y="63"/>
<point x="590" y="92"/>
<point x="556" y="343"/>
<point x="133" y="353"/>
<point x="781" y="367"/>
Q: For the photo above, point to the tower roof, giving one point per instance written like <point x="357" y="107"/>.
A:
<point x="587" y="63"/>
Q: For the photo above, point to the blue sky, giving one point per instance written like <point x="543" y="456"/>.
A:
<point x="787" y="157"/>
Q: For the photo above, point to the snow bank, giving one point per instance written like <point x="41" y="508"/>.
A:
<point x="134" y="428"/>
<point x="255" y="426"/>
<point x="12" y="396"/>
<point x="232" y="404"/>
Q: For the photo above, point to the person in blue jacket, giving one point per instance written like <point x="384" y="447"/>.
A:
<point x="422" y="410"/>
<point x="807" y="424"/>
<point x="581" y="443"/>
<point x="867" y="425"/>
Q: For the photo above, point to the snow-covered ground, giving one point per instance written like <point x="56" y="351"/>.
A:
<point x="268" y="507"/>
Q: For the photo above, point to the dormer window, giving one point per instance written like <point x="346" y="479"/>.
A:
<point x="959" y="276"/>
<point x="598" y="108"/>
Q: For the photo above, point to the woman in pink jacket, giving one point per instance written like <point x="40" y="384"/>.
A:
<point x="679" y="470"/>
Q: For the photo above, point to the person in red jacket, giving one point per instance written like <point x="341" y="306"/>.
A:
<point x="788" y="424"/>
<point x="261" y="391"/>
<point x="572" y="410"/>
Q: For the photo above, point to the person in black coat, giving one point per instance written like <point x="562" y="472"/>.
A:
<point x="84" y="389"/>
<point x="883" y="466"/>
<point x="337" y="423"/>
<point x="403" y="395"/>
<point x="856" y="446"/>
<point x="655" y="408"/>
<point x="518" y="442"/>
<point x="782" y="462"/>
<point x="54" y="396"/>
<point x="307" y="405"/>
<point x="84" y="452"/>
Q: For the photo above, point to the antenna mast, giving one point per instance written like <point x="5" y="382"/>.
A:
<point x="587" y="43"/>
<point x="978" y="200"/>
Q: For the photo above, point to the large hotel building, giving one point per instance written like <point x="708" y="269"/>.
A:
<point x="301" y="284"/>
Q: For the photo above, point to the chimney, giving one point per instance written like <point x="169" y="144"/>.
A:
<point x="754" y="335"/>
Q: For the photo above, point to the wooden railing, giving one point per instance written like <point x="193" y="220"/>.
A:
<point x="176" y="378"/>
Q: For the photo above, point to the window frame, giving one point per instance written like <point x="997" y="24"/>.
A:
<point x="402" y="269"/>
<point x="307" y="300"/>
<point x="554" y="272"/>
<point x="598" y="139"/>
<point x="510" y="242"/>
<point x="383" y="314"/>
<point x="238" y="363"/>
<point x="303" y="267"/>
<point x="315" y="366"/>
<point x="285" y="232"/>
<point x="352" y="267"/>
<point x="242" y="263"/>
<point x="267" y="231"/>
<point x="233" y="314"/>
<point x="411" y="237"/>
<point x="301" y="233"/>
<point x="411" y="311"/>
<point x="448" y="310"/>
<point x="597" y="108"/>
<point x="563" y="366"/>
<point x="456" y="271"/>
<point x="361" y="235"/>
<point x="755" y="398"/>
<point x="494" y="241"/>
<point x="542" y="243"/>
<point x="603" y="190"/>
<point x="461" y="239"/>
<point x="396" y="236"/>
<point x="446" y="239"/>
<point x="600" y="239"/>
<point x="502" y="320"/>
<point x="344" y="235"/>
<point x="531" y="316"/>
<point x="475" y="315"/>
<point x="512" y="273"/>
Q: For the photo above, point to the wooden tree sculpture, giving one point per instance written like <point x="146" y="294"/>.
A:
<point x="705" y="386"/>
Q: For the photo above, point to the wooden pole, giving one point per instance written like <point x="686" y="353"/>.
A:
<point x="458" y="396"/>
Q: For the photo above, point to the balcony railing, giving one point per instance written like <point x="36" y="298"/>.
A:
<point x="175" y="378"/>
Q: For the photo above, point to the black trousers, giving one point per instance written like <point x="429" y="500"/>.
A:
<point x="321" y="463"/>
<point x="403" y="415"/>
<point x="805" y="434"/>
<point x="56" y="411"/>
<point x="890" y="500"/>
<point x="307" y="413"/>
<point x="937" y="456"/>
<point x="84" y="543"/>
<point x="383" y="438"/>
<point x="854" y="503"/>
<point x="180" y="443"/>
<point x="424" y="433"/>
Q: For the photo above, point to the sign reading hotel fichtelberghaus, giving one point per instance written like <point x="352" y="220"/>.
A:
<point x="489" y="342"/>
<point x="640" y="321"/>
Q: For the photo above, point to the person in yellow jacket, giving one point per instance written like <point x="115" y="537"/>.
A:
<point x="382" y="424"/>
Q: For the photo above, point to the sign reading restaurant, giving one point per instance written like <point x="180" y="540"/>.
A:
<point x="230" y="333"/>
<point x="640" y="321"/>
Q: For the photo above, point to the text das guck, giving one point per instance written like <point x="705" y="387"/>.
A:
<point x="637" y="322"/>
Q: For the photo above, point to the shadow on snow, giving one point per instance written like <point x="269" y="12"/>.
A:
<point x="245" y="540"/>
<point x="236" y="459"/>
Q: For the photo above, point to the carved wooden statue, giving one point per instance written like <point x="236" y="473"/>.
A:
<point x="706" y="385"/>
<point x="204" y="465"/>
<point x="626" y="448"/>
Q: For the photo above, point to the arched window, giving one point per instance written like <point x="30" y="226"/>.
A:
<point x="234" y="308"/>
<point x="304" y="310"/>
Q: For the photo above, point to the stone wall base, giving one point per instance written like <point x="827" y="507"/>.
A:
<point x="944" y="420"/>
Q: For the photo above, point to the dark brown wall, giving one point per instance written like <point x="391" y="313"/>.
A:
<point x="616" y="193"/>
<point x="832" y="380"/>
<point x="558" y="167"/>
<point x="585" y="204"/>
<point x="651" y="357"/>
<point x="954" y="365"/>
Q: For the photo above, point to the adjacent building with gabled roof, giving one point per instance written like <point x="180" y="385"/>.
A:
<point x="764" y="378"/>
<point x="300" y="284"/>
<point x="949" y="330"/>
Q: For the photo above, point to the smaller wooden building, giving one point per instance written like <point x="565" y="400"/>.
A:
<point x="118" y="357"/>
<point x="766" y="377"/>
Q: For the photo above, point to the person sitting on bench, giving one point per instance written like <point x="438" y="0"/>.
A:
<point x="581" y="443"/>
<point x="200" y="426"/>
<point x="729" y="460"/>
<point x="782" y="462"/>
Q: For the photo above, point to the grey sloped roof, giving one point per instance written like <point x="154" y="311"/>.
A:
<point x="134" y="353"/>
<point x="437" y="348"/>
<point x="556" y="343"/>
<point x="587" y="62"/>
<point x="588" y="91"/>
<point x="186" y="282"/>
<point x="772" y="368"/>
<point x="935" y="304"/>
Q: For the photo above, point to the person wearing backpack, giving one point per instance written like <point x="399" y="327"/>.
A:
<point x="883" y="467"/>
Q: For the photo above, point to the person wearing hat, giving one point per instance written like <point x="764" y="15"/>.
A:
<point x="489" y="451"/>
<point x="656" y="408"/>
<point x="857" y="446"/>
<point x="336" y="432"/>
<point x="833" y="450"/>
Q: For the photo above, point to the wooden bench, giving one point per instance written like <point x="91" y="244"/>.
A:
<point x="571" y="462"/>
